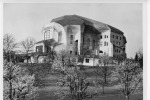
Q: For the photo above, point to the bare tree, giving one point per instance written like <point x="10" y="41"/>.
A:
<point x="63" y="60"/>
<point x="27" y="45"/>
<point x="9" y="44"/>
<point x="77" y="84"/>
<point x="72" y="77"/>
<point x="104" y="71"/>
<point x="130" y="77"/>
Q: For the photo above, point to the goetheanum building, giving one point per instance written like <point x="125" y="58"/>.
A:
<point x="76" y="33"/>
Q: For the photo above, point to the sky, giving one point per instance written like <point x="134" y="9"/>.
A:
<point x="27" y="20"/>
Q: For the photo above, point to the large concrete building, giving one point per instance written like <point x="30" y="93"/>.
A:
<point x="76" y="33"/>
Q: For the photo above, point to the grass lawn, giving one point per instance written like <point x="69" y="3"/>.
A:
<point x="48" y="88"/>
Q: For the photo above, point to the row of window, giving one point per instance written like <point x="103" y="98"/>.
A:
<point x="117" y="51"/>
<point x="116" y="42"/>
<point x="105" y="43"/>
<point x="105" y="36"/>
<point x="117" y="37"/>
<point x="47" y="35"/>
<point x="71" y="52"/>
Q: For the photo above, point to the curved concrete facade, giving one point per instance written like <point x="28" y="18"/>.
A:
<point x="75" y="33"/>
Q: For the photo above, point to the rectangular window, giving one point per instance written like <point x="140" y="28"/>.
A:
<point x="87" y="60"/>
<point x="70" y="52"/>
<point x="71" y="39"/>
<point x="39" y="48"/>
<point x="104" y="43"/>
<point x="120" y="38"/>
<point x="113" y="36"/>
<point x="101" y="37"/>
<point x="76" y="53"/>
<point x="59" y="36"/>
<point x="105" y="36"/>
<point x="116" y="37"/>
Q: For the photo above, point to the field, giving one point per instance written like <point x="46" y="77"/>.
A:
<point x="48" y="79"/>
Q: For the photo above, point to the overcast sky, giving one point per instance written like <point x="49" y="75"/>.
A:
<point x="27" y="20"/>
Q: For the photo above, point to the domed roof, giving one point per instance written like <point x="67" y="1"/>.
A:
<point x="79" y="20"/>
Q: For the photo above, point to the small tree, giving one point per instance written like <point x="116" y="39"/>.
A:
<point x="9" y="45"/>
<point x="18" y="85"/>
<point x="63" y="61"/>
<point x="72" y="78"/>
<point x="27" y="45"/>
<point x="140" y="58"/>
<point x="130" y="77"/>
<point x="51" y="44"/>
<point x="77" y="83"/>
<point x="104" y="71"/>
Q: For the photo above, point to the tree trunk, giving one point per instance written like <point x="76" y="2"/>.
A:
<point x="10" y="90"/>
<point x="127" y="97"/>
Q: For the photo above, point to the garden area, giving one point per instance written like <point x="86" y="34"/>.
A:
<point x="47" y="85"/>
<point x="62" y="78"/>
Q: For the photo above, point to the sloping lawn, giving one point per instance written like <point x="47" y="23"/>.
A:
<point x="48" y="87"/>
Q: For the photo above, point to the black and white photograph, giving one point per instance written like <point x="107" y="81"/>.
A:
<point x="73" y="51"/>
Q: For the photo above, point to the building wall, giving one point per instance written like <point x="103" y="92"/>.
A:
<point x="92" y="62"/>
<point x="91" y="40"/>
<point x="73" y="31"/>
<point x="40" y="44"/>
<point x="55" y="29"/>
<point x="119" y="44"/>
<point x="104" y="41"/>
<point x="105" y="44"/>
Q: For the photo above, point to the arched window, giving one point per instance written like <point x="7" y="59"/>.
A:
<point x="59" y="36"/>
<point x="47" y="34"/>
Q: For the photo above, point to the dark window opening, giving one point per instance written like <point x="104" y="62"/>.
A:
<point x="76" y="53"/>
<point x="113" y="36"/>
<point x="71" y="39"/>
<point x="116" y="37"/>
<point x="87" y="60"/>
<point x="105" y="43"/>
<point x="70" y="52"/>
<point x="101" y="37"/>
<point x="59" y="36"/>
<point x="93" y="44"/>
<point x="100" y="51"/>
<point x="39" y="48"/>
